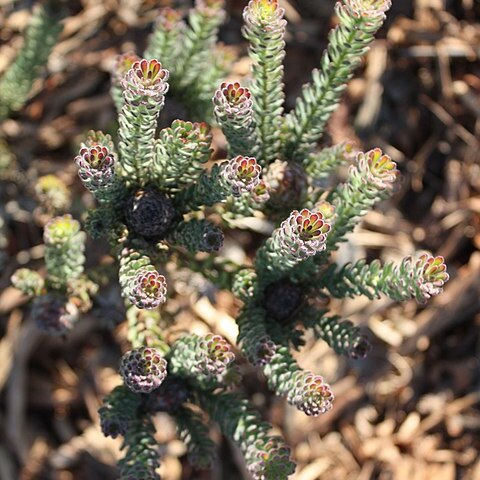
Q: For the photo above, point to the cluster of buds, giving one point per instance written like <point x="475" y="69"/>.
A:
<point x="96" y="168"/>
<point x="368" y="9"/>
<point x="233" y="109"/>
<point x="241" y="175"/>
<point x="213" y="4"/>
<point x="143" y="369"/>
<point x="371" y="179"/>
<point x="310" y="394"/>
<point x="28" y="282"/>
<point x="141" y="284"/>
<point x="422" y="278"/>
<point x="64" y="250"/>
<point x="303" y="233"/>
<point x="204" y="359"/>
<point x="327" y="210"/>
<point x="145" y="79"/>
<point x="192" y="139"/>
<point x="433" y="275"/>
<point x="261" y="193"/>
<point x="218" y="354"/>
<point x="303" y="389"/>
<point x="374" y="174"/>
<point x="168" y="19"/>
<point x="271" y="459"/>
<point x="233" y="103"/>
<point x="260" y="13"/>
<point x="52" y="193"/>
<point x="300" y="236"/>
<point x="148" y="289"/>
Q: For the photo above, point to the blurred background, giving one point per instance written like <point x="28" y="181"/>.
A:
<point x="411" y="409"/>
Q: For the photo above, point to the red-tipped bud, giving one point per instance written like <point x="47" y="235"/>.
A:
<point x="149" y="289"/>
<point x="143" y="369"/>
<point x="241" y="174"/>
<point x="96" y="167"/>
<point x="303" y="234"/>
<point x="311" y="394"/>
<point x="146" y="78"/>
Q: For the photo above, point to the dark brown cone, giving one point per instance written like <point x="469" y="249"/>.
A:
<point x="149" y="213"/>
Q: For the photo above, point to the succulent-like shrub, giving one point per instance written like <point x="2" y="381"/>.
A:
<point x="143" y="369"/>
<point x="39" y="39"/>
<point x="188" y="49"/>
<point x="66" y="290"/>
<point x="52" y="194"/>
<point x="158" y="203"/>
